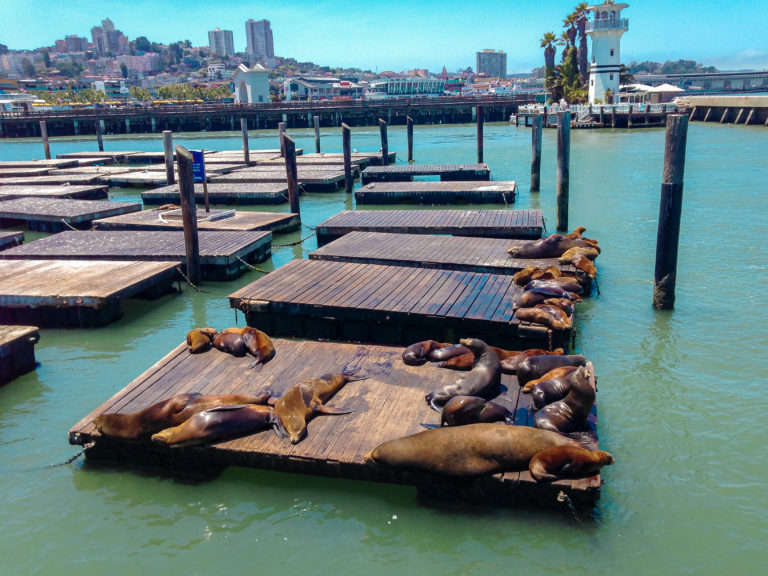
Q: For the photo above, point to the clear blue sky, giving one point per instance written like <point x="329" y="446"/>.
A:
<point x="400" y="34"/>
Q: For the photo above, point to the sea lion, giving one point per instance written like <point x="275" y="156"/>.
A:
<point x="418" y="353"/>
<point x="200" y="339"/>
<point x="567" y="462"/>
<point x="449" y="352"/>
<point x="590" y="252"/>
<point x="565" y="304"/>
<point x="302" y="401"/>
<point x="545" y="314"/>
<point x="570" y="413"/>
<point x="531" y="298"/>
<point x="166" y="207"/>
<point x="509" y="365"/>
<point x="484" y="379"/>
<point x="217" y="424"/>
<point x="168" y="413"/>
<point x="471" y="450"/>
<point x="463" y="410"/>
<point x="576" y="234"/>
<point x="529" y="273"/>
<point x="536" y="366"/>
<point x="557" y="289"/>
<point x="246" y="340"/>
<point x="582" y="262"/>
<point x="509" y="359"/>
<point x="553" y="374"/>
<point x="551" y="247"/>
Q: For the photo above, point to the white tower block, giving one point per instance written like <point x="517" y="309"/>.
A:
<point x="605" y="30"/>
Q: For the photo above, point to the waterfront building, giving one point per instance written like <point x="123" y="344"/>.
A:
<point x="605" y="30"/>
<point x="491" y="63"/>
<point x="326" y="88"/>
<point x="259" y="37"/>
<point x="221" y="42"/>
<point x="710" y="81"/>
<point x="410" y="86"/>
<point x="251" y="84"/>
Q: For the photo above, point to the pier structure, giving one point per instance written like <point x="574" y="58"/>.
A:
<point x="750" y="110"/>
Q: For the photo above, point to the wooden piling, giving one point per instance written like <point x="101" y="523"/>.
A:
<point x="170" y="173"/>
<point x="749" y="117"/>
<point x="725" y="115"/>
<point x="409" y="130"/>
<point x="629" y="117"/>
<point x="480" y="134"/>
<point x="739" y="115"/>
<point x="346" y="140"/>
<point x="563" y="167"/>
<point x="246" y="148"/>
<point x="536" y="130"/>
<point x="384" y="142"/>
<point x="316" y="121"/>
<point x="288" y="146"/>
<point x="706" y="116"/>
<point x="670" y="210"/>
<point x="98" y="136"/>
<point x="281" y="132"/>
<point x="189" y="213"/>
<point x="44" y="135"/>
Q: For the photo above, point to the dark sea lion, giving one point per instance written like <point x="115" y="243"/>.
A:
<point x="168" y="413"/>
<point x="200" y="339"/>
<point x="531" y="298"/>
<point x="564" y="304"/>
<point x="418" y="353"/>
<point x="463" y="410"/>
<point x="551" y="247"/>
<point x="466" y="360"/>
<point x="216" y="424"/>
<point x="484" y="379"/>
<point x="302" y="401"/>
<point x="568" y="462"/>
<point x="246" y="340"/>
<point x="557" y="289"/>
<point x="570" y="413"/>
<point x="536" y="366"/>
<point x="449" y="352"/>
<point x="471" y="450"/>
<point x="545" y="314"/>
<point x="553" y="374"/>
<point x="509" y="365"/>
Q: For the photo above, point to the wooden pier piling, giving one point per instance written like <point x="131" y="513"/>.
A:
<point x="189" y="213"/>
<point x="44" y="136"/>
<point x="384" y="142"/>
<point x="346" y="139"/>
<point x="316" y="121"/>
<point x="670" y="211"/>
<point x="563" y="168"/>
<point x="480" y="134"/>
<point x="536" y="130"/>
<point x="246" y="150"/>
<point x="289" y="149"/>
<point x="170" y="173"/>
<point x="98" y="136"/>
<point x="281" y="131"/>
<point x="409" y="130"/>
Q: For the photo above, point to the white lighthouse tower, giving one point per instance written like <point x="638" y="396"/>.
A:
<point x="606" y="29"/>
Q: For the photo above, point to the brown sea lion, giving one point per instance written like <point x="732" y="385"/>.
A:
<point x="420" y="352"/>
<point x="168" y="413"/>
<point x="200" y="339"/>
<point x="590" y="252"/>
<point x="567" y="462"/>
<point x="536" y="366"/>
<point x="216" y="424"/>
<point x="529" y="273"/>
<point x="570" y="413"/>
<point x="564" y="304"/>
<point x="471" y="450"/>
<point x="246" y="340"/>
<point x="551" y="247"/>
<point x="166" y="207"/>
<point x="576" y="234"/>
<point x="302" y="401"/>
<point x="466" y="360"/>
<point x="463" y="410"/>
<point x="509" y="365"/>
<point x="484" y="379"/>
<point x="555" y="373"/>
<point x="582" y="262"/>
<point x="545" y="314"/>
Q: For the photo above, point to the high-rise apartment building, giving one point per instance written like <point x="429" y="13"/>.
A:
<point x="492" y="63"/>
<point x="221" y="42"/>
<point x="74" y="43"/>
<point x="107" y="40"/>
<point x="259" y="37"/>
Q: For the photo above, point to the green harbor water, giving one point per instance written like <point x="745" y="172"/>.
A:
<point x="682" y="401"/>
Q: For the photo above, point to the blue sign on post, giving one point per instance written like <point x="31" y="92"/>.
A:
<point x="198" y="166"/>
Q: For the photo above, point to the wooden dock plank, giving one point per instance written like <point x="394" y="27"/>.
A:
<point x="444" y="192"/>
<point x="54" y="180"/>
<point x="97" y="192"/>
<point x="242" y="220"/>
<point x="313" y="179"/>
<point x="54" y="214"/>
<point x="52" y="164"/>
<point x="232" y="194"/>
<point x="24" y="172"/>
<point x="388" y="404"/>
<point x="406" y="172"/>
<point x="17" y="351"/>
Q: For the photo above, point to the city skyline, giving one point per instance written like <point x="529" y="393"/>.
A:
<point x="401" y="35"/>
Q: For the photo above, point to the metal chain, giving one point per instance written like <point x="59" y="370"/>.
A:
<point x="69" y="225"/>
<point x="178" y="269"/>
<point x="252" y="267"/>
<point x="563" y="497"/>
<point x="293" y="243"/>
<point x="86" y="446"/>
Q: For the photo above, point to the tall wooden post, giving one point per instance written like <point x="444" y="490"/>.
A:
<point x="346" y="142"/>
<point x="670" y="210"/>
<point x="409" y="130"/>
<point x="316" y="121"/>
<point x="170" y="173"/>
<point x="246" y="148"/>
<point x="189" y="213"/>
<point x="280" y="133"/>
<point x="44" y="135"/>
<point x="384" y="142"/>
<point x="536" y="132"/>
<point x="480" y="134"/>
<point x="98" y="136"/>
<point x="289" y="147"/>
<point x="563" y="167"/>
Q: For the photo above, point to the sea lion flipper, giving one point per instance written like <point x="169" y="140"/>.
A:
<point x="226" y="408"/>
<point x="328" y="411"/>
<point x="256" y="365"/>
<point x="278" y="427"/>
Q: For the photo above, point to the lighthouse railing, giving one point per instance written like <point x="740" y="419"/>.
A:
<point x="608" y="24"/>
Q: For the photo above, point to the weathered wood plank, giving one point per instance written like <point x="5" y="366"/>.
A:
<point x="230" y="194"/>
<point x="55" y="214"/>
<point x="405" y="172"/>
<point x="444" y="192"/>
<point x="17" y="351"/>
<point x="98" y="192"/>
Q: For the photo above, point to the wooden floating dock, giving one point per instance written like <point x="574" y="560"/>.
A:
<point x="11" y="239"/>
<point x="23" y="172"/>
<point x="51" y="180"/>
<point x="242" y="220"/>
<point x="127" y="179"/>
<point x="231" y="194"/>
<point x="98" y="192"/>
<point x="106" y="157"/>
<point x="312" y="179"/>
<point x="406" y="172"/>
<point x="224" y="255"/>
<point x="74" y="293"/>
<point x="485" y="255"/>
<point x="53" y="164"/>
<point x="17" y="351"/>
<point x="446" y="192"/>
<point x="389" y="305"/>
<point x="56" y="214"/>
<point x="519" y="224"/>
<point x="89" y="170"/>
<point x="388" y="404"/>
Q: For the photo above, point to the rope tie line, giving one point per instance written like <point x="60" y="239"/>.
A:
<point x="293" y="243"/>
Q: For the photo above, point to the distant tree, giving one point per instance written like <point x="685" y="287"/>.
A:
<point x="175" y="53"/>
<point x="187" y="44"/>
<point x="123" y="69"/>
<point x="70" y="68"/>
<point x="581" y="13"/>
<point x="46" y="59"/>
<point x="548" y="42"/>
<point x="625" y="76"/>
<point x="140" y="94"/>
<point x="28" y="68"/>
<point x="142" y="44"/>
<point x="538" y="72"/>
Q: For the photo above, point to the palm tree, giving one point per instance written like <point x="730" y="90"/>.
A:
<point x="548" y="42"/>
<point x="581" y="13"/>
<point x="570" y="28"/>
<point x="565" y="42"/>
